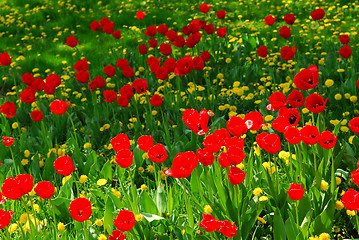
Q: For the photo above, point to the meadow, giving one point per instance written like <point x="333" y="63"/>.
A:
<point x="179" y="119"/>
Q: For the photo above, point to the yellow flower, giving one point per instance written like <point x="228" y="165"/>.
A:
<point x="116" y="193"/>
<point x="145" y="156"/>
<point x="141" y="169"/>
<point x="261" y="220"/>
<point x="138" y="217"/>
<point x="347" y="95"/>
<point x="87" y="145"/>
<point x="144" y="187"/>
<point x="24" y="161"/>
<point x="15" y="125"/>
<point x="324" y="236"/>
<point x="12" y="228"/>
<point x="351" y="213"/>
<point x="27" y="153"/>
<point x="263" y="199"/>
<point x="220" y="76"/>
<point x="240" y="166"/>
<point x="61" y="227"/>
<point x="101" y="237"/>
<point x="64" y="179"/>
<point x="150" y="168"/>
<point x="268" y="118"/>
<point x="99" y="222"/>
<point x="353" y="99"/>
<point x="324" y="185"/>
<point x="83" y="178"/>
<point x="257" y="192"/>
<point x="208" y="209"/>
<point x="338" y="96"/>
<point x="101" y="182"/>
<point x="339" y="205"/>
<point x="36" y="207"/>
<point x="338" y="180"/>
<point x="329" y="83"/>
<point x="228" y="60"/>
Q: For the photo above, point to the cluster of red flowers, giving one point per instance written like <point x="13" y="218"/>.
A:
<point x="107" y="27"/>
<point x="210" y="224"/>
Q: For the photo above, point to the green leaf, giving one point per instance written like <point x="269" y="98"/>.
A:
<point x="147" y="204"/>
<point x="106" y="171"/>
<point x="278" y="226"/>
<point x="160" y="199"/>
<point x="108" y="218"/>
<point x="291" y="228"/>
<point x="151" y="217"/>
<point x="323" y="222"/>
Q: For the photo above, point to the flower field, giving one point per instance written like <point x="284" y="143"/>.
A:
<point x="179" y="120"/>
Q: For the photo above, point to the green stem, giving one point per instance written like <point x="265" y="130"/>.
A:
<point x="357" y="221"/>
<point x="209" y="184"/>
<point x="134" y="198"/>
<point x="17" y="170"/>
<point x="53" y="213"/>
<point x="77" y="186"/>
<point x="315" y="169"/>
<point x="28" y="216"/>
<point x="85" y="230"/>
<point x="290" y="163"/>
<point x="276" y="173"/>
<point x="300" y="163"/>
<point x="73" y="126"/>
<point x="296" y="211"/>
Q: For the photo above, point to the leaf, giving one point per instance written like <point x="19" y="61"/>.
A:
<point x="291" y="228"/>
<point x="106" y="171"/>
<point x="323" y="222"/>
<point x="160" y="199"/>
<point x="108" y="218"/>
<point x="278" y="226"/>
<point x="147" y="204"/>
<point x="151" y="217"/>
<point x="61" y="207"/>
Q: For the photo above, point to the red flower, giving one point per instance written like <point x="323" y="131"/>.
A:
<point x="64" y="165"/>
<point x="151" y="31"/>
<point x="8" y="109"/>
<point x="153" y="42"/>
<point x="166" y="49"/>
<point x="214" y="141"/>
<point x="82" y="76"/>
<point x="307" y="78"/>
<point x="296" y="99"/>
<point x="37" y="115"/>
<point x="128" y="72"/>
<point x="156" y="100"/>
<point x="317" y="14"/>
<point x="221" y="14"/>
<point x="344" y="39"/>
<point x="198" y="64"/>
<point x="223" y="160"/>
<point x="345" y="52"/>
<point x="162" y="29"/>
<point x="170" y="64"/>
<point x="140" y="85"/>
<point x="81" y="65"/>
<point x="121" y="141"/>
<point x="262" y="51"/>
<point x="315" y="103"/>
<point x="125" y="220"/>
<point x="254" y="120"/>
<point x="284" y="32"/>
<point x="98" y="82"/>
<point x="122" y="101"/>
<point x="350" y="200"/>
<point x="205" y="56"/>
<point x="295" y="191"/>
<point x="205" y="157"/>
<point x="117" y="235"/>
<point x="221" y="32"/>
<point x="154" y="63"/>
<point x="209" y="223"/>
<point x="269" y="20"/>
<point x="108" y="28"/>
<point x="157" y="153"/>
<point x="109" y="70"/>
<point x="145" y="142"/>
<point x="183" y="165"/>
<point x="27" y="78"/>
<point x="80" y="209"/>
<point x="309" y="134"/>
<point x="71" y="41"/>
<point x="204" y="7"/>
<point x="236" y="176"/>
<point x="228" y="229"/>
<point x="58" y="107"/>
<point x="235" y="154"/>
<point x="140" y="15"/>
<point x="354" y="125"/>
<point x="109" y="95"/>
<point x="5" y="59"/>
<point x="237" y="126"/>
<point x="95" y="26"/>
<point x="287" y="53"/>
<point x="142" y="49"/>
<point x="5" y="218"/>
<point x="327" y="140"/>
<point x="287" y="117"/>
<point x="127" y="91"/>
<point x="271" y="143"/>
<point x="276" y="101"/>
<point x="209" y="28"/>
<point x="355" y="176"/>
<point x="28" y="95"/>
<point x="171" y="35"/>
<point x="184" y="66"/>
<point x="197" y="122"/>
<point x="7" y="141"/>
<point x="161" y="73"/>
<point x="124" y="158"/>
<point x="292" y="135"/>
<point x="289" y="18"/>
<point x="15" y="188"/>
<point x="45" y="189"/>
<point x="260" y="139"/>
<point x="122" y="63"/>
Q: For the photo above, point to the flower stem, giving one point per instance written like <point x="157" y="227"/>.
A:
<point x="53" y="212"/>
<point x="296" y="211"/>
<point x="85" y="232"/>
<point x="315" y="169"/>
<point x="333" y="182"/>
<point x="17" y="170"/>
<point x="357" y="220"/>
<point x="209" y="184"/>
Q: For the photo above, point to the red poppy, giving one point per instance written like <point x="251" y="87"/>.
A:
<point x="152" y="42"/>
<point x="296" y="99"/>
<point x="315" y="103"/>
<point x="284" y="32"/>
<point x="121" y="141"/>
<point x="5" y="59"/>
<point x="205" y="157"/>
<point x="271" y="143"/>
<point x="276" y="101"/>
<point x="254" y="120"/>
<point x="170" y="64"/>
<point x="128" y="72"/>
<point x="355" y="176"/>
<point x="108" y="27"/>
<point x="81" y="65"/>
<point x="223" y="160"/>
<point x="28" y="95"/>
<point x="156" y="100"/>
<point x="327" y="140"/>
<point x="45" y="189"/>
<point x="236" y="175"/>
<point x="354" y="125"/>
<point x="125" y="220"/>
<point x="71" y="41"/>
<point x="287" y="117"/>
<point x="309" y="134"/>
<point x="292" y="135"/>
<point x="209" y="223"/>
<point x="183" y="165"/>
<point x="7" y="141"/>
<point x="5" y="218"/>
<point x="214" y="141"/>
<point x="221" y="14"/>
<point x="82" y="76"/>
<point x="205" y="56"/>
<point x="58" y="107"/>
<point x="198" y="64"/>
<point x="287" y="53"/>
<point x="117" y="235"/>
<point x="117" y="34"/>
<point x="53" y="80"/>
<point x="204" y="7"/>
<point x="80" y="209"/>
<point x="145" y="142"/>
<point x="109" y="70"/>
<point x="27" y="78"/>
<point x="154" y="63"/>
<point x="3" y="199"/>
<point x="122" y="101"/>
<point x="317" y="14"/>
<point x="344" y="39"/>
<point x="8" y="109"/>
<point x="157" y="153"/>
<point x="307" y="78"/>
<point x="127" y="91"/>
<point x="98" y="82"/>
<point x="140" y="15"/>
<point x="161" y="73"/>
<point x="350" y="200"/>
<point x="289" y="18"/>
<point x="296" y="191"/>
<point x="234" y="142"/>
<point x="235" y="154"/>
<point x="184" y="66"/>
<point x="194" y="26"/>
<point x="197" y="122"/>
<point x="151" y="31"/>
<point x="209" y="28"/>
<point x="227" y="229"/>
<point x="122" y="63"/>
<point x="142" y="49"/>
<point x="221" y="32"/>
<point x="64" y="165"/>
<point x="37" y="115"/>
<point x="179" y="42"/>
<point x="26" y="182"/>
<point x="109" y="96"/>
<point x="269" y="20"/>
<point x="345" y="52"/>
<point x="162" y="29"/>
<point x="140" y="85"/>
<point x="193" y="39"/>
<point x="260" y="139"/>
<point x="95" y="25"/>
<point x="262" y="51"/>
<point x="15" y="188"/>
<point x="171" y="35"/>
<point x="124" y="158"/>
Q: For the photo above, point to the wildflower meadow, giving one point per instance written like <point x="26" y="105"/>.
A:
<point x="179" y="120"/>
